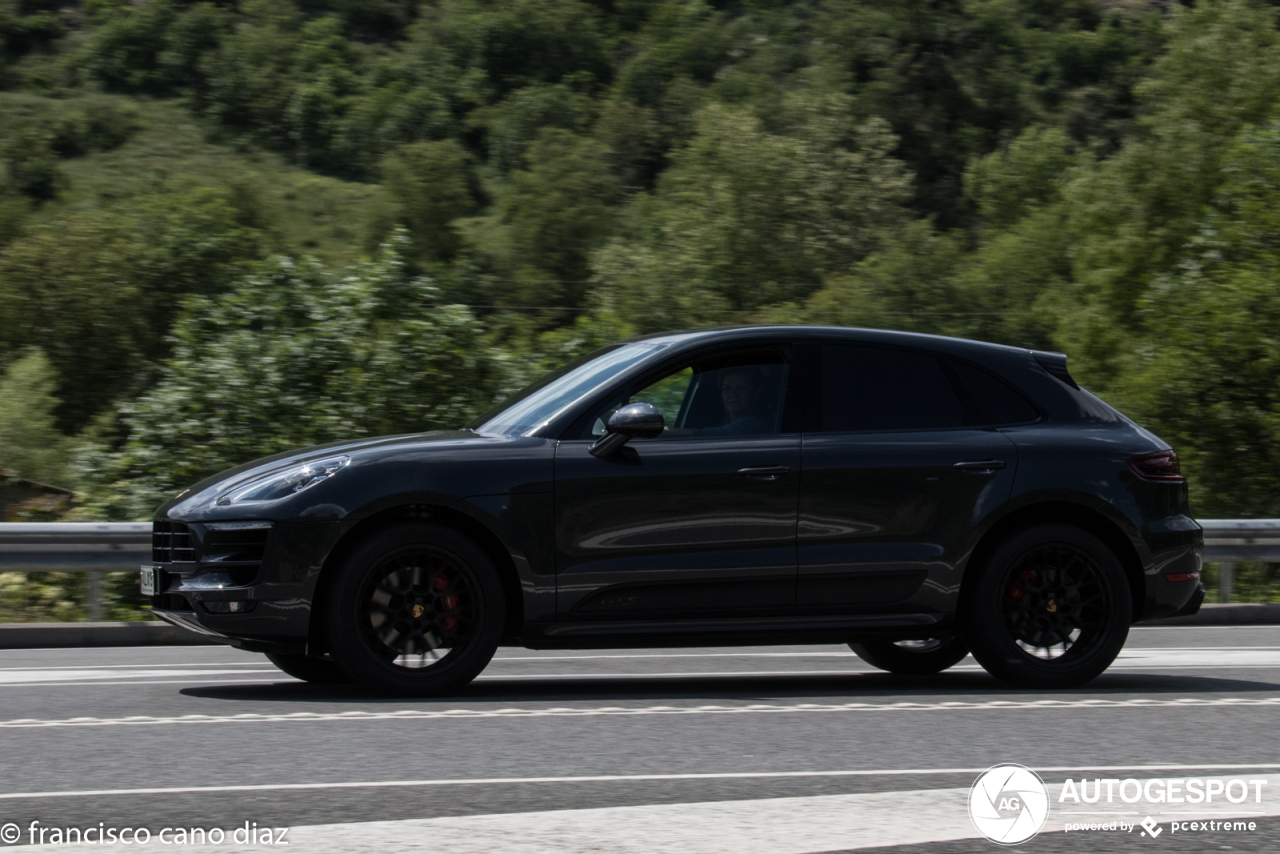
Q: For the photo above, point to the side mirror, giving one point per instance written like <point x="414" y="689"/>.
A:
<point x="633" y="421"/>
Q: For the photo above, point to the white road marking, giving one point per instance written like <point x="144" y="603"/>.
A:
<point x="621" y="778"/>
<point x="794" y="825"/>
<point x="131" y="682"/>
<point x="625" y="711"/>
<point x="1136" y="658"/>
<point x="184" y="665"/>
<point x="1184" y="628"/>
<point x="29" y="677"/>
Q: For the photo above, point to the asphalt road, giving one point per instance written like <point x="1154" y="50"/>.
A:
<point x="770" y="749"/>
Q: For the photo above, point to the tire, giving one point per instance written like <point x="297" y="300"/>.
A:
<point x="416" y="610"/>
<point x="912" y="658"/>
<point x="317" y="671"/>
<point x="1050" y="608"/>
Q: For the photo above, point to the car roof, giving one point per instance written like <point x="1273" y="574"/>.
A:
<point x="941" y="343"/>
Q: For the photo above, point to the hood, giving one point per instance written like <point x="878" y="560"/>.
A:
<point x="206" y="492"/>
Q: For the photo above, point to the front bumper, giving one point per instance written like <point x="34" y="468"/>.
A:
<point x="260" y="601"/>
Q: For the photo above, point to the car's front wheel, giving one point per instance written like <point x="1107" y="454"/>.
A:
<point x="1049" y="608"/>
<point x="415" y="610"/>
<point x="912" y="657"/>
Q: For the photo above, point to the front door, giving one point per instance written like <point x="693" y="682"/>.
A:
<point x="897" y="476"/>
<point x="698" y="523"/>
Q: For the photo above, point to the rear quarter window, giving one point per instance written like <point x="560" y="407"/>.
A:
<point x="997" y="399"/>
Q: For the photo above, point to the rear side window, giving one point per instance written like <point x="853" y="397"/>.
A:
<point x="1001" y="403"/>
<point x="873" y="388"/>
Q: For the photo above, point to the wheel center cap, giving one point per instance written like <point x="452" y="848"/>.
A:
<point x="1052" y="607"/>
<point x="417" y="611"/>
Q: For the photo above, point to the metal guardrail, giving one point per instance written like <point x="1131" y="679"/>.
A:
<point x="1228" y="541"/>
<point x="93" y="547"/>
<point x="97" y="547"/>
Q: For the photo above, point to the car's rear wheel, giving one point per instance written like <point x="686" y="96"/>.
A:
<point x="415" y="610"/>
<point x="1050" y="608"/>
<point x="912" y="657"/>
<point x="317" y="671"/>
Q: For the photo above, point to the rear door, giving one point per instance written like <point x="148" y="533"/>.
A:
<point x="897" y="475"/>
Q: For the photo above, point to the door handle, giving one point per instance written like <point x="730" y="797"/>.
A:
<point x="981" y="466"/>
<point x="764" y="472"/>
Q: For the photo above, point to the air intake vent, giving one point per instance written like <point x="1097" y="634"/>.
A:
<point x="171" y="543"/>
<point x="235" y="546"/>
<point x="1056" y="365"/>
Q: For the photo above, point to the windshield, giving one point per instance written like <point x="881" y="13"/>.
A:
<point x="537" y="404"/>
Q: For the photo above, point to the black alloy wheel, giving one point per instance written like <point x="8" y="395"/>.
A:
<point x="912" y="657"/>
<point x="1050" y="608"/>
<point x="317" y="671"/>
<point x="416" y="610"/>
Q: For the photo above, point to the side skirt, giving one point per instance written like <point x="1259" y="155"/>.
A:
<point x="739" y="632"/>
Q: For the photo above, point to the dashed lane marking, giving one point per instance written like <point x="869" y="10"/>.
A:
<point x="625" y="711"/>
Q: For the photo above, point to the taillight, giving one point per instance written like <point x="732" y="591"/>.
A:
<point x="1162" y="465"/>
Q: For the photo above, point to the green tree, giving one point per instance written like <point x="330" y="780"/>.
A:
<point x="1206" y="377"/>
<point x="294" y="356"/>
<point x="428" y="186"/>
<point x="97" y="290"/>
<point x="547" y="219"/>
<point x="30" y="444"/>
<point x="33" y="167"/>
<point x="955" y="80"/>
<point x="1131" y="216"/>
<point x="909" y="284"/>
<point x="745" y="219"/>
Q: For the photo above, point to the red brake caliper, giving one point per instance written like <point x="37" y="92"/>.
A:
<point x="447" y="603"/>
<point x="1017" y="590"/>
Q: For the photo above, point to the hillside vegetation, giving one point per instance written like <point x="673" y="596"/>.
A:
<point x="228" y="228"/>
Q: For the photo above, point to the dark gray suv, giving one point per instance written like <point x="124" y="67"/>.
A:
<point x="918" y="497"/>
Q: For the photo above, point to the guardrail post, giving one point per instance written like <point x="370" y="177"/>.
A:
<point x="95" y="597"/>
<point x="1226" y="581"/>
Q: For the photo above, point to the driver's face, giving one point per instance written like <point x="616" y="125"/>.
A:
<point x="738" y="393"/>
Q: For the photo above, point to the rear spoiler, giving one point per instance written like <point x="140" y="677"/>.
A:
<point x="1056" y="365"/>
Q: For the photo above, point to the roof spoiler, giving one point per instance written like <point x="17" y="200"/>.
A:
<point x="1056" y="365"/>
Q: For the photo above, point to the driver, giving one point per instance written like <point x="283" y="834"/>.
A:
<point x="740" y="392"/>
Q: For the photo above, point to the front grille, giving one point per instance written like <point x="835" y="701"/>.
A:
<point x="171" y="543"/>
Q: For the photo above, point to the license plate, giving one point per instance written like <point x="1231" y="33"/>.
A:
<point x="149" y="575"/>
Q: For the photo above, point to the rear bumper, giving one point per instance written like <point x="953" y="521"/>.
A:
<point x="1173" y="584"/>
<point x="1193" y="604"/>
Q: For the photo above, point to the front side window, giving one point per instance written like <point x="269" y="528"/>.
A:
<point x="734" y="394"/>
<point x="881" y="389"/>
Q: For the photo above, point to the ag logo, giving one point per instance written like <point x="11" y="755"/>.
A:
<point x="1009" y="804"/>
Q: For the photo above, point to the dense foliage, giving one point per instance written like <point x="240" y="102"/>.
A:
<point x="190" y="188"/>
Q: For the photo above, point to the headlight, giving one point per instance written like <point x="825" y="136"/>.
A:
<point x="282" y="484"/>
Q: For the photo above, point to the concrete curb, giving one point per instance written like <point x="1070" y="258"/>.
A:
<point x="55" y="635"/>
<point x="61" y="635"/>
